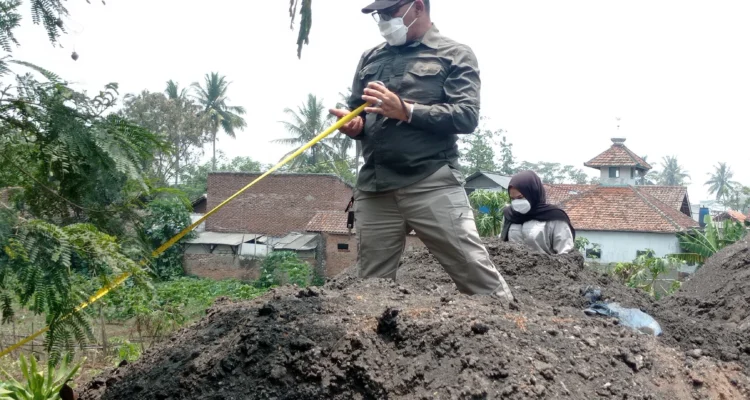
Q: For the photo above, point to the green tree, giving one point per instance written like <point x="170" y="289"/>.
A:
<point x="73" y="164"/>
<point x="672" y="173"/>
<point x="720" y="181"/>
<point x="166" y="218"/>
<point x="213" y="100"/>
<point x="49" y="13"/>
<point x="739" y="199"/>
<point x="305" y="11"/>
<point x="80" y="178"/>
<point x="478" y="153"/>
<point x="175" y="120"/>
<point x="194" y="179"/>
<point x="309" y="120"/>
<point x="174" y="92"/>
<point x="489" y="206"/>
<point x="507" y="160"/>
<point x="556" y="173"/>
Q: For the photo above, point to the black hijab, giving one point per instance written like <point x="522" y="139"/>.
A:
<point x="531" y="187"/>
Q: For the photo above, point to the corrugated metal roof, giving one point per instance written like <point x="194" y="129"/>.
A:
<point x="228" y="239"/>
<point x="297" y="242"/>
<point x="501" y="180"/>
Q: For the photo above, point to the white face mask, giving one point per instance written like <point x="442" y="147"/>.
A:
<point x="394" y="31"/>
<point x="521" y="206"/>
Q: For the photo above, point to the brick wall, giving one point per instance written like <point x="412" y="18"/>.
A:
<point x="337" y="260"/>
<point x="219" y="266"/>
<point x="227" y="266"/>
<point x="276" y="205"/>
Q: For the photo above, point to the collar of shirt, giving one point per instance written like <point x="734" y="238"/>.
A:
<point x="431" y="39"/>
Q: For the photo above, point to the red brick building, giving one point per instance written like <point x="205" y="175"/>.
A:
<point x="270" y="214"/>
<point x="275" y="206"/>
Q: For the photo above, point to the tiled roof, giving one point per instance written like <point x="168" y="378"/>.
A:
<point x="735" y="215"/>
<point x="328" y="222"/>
<point x="672" y="195"/>
<point x="617" y="156"/>
<point x="624" y="208"/>
<point x="557" y="193"/>
<point x="276" y="205"/>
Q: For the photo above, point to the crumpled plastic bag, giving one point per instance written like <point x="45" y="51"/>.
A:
<point x="630" y="317"/>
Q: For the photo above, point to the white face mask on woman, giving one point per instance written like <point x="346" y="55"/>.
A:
<point x="521" y="206"/>
<point x="394" y="31"/>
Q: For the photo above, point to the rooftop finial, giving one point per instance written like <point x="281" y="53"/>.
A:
<point x="618" y="141"/>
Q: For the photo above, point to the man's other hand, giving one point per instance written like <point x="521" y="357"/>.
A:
<point x="352" y="128"/>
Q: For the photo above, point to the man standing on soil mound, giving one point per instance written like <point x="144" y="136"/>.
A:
<point x="424" y="91"/>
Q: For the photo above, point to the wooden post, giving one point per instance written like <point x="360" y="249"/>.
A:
<point x="13" y="340"/>
<point x="104" y="331"/>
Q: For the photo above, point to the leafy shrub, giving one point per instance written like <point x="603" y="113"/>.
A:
<point x="38" y="385"/>
<point x="167" y="217"/>
<point x="282" y="268"/>
<point x="644" y="272"/>
<point x="489" y="206"/>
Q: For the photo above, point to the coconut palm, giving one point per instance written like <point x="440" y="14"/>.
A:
<point x="721" y="181"/>
<point x="672" y="173"/>
<point x="309" y="120"/>
<point x="174" y="92"/>
<point x="212" y="97"/>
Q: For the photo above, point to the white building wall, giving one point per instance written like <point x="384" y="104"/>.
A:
<point x="195" y="217"/>
<point x="623" y="246"/>
<point x="623" y="180"/>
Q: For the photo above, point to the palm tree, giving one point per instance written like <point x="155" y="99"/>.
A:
<point x="212" y="97"/>
<point x="672" y="173"/>
<point x="721" y="181"/>
<point x="174" y="92"/>
<point x="306" y="123"/>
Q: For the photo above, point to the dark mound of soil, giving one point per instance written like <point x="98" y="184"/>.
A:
<point x="712" y="310"/>
<point x="720" y="289"/>
<point x="419" y="339"/>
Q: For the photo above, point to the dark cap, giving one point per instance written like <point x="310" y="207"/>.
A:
<point x="380" y="5"/>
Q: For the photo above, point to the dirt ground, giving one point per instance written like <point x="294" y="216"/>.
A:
<point x="419" y="338"/>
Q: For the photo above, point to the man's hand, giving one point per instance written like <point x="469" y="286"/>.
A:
<point x="352" y="128"/>
<point x="384" y="102"/>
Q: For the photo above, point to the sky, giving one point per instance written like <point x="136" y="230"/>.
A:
<point x="555" y="75"/>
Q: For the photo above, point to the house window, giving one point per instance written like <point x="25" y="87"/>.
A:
<point x="343" y="247"/>
<point x="632" y="173"/>
<point x="595" y="251"/>
<point x="614" y="172"/>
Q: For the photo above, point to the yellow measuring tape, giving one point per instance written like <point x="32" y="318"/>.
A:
<point x="169" y="243"/>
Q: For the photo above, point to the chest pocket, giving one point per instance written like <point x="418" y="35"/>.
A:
<point x="371" y="72"/>
<point x="423" y="82"/>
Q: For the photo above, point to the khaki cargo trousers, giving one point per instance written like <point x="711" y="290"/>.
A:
<point x="438" y="210"/>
